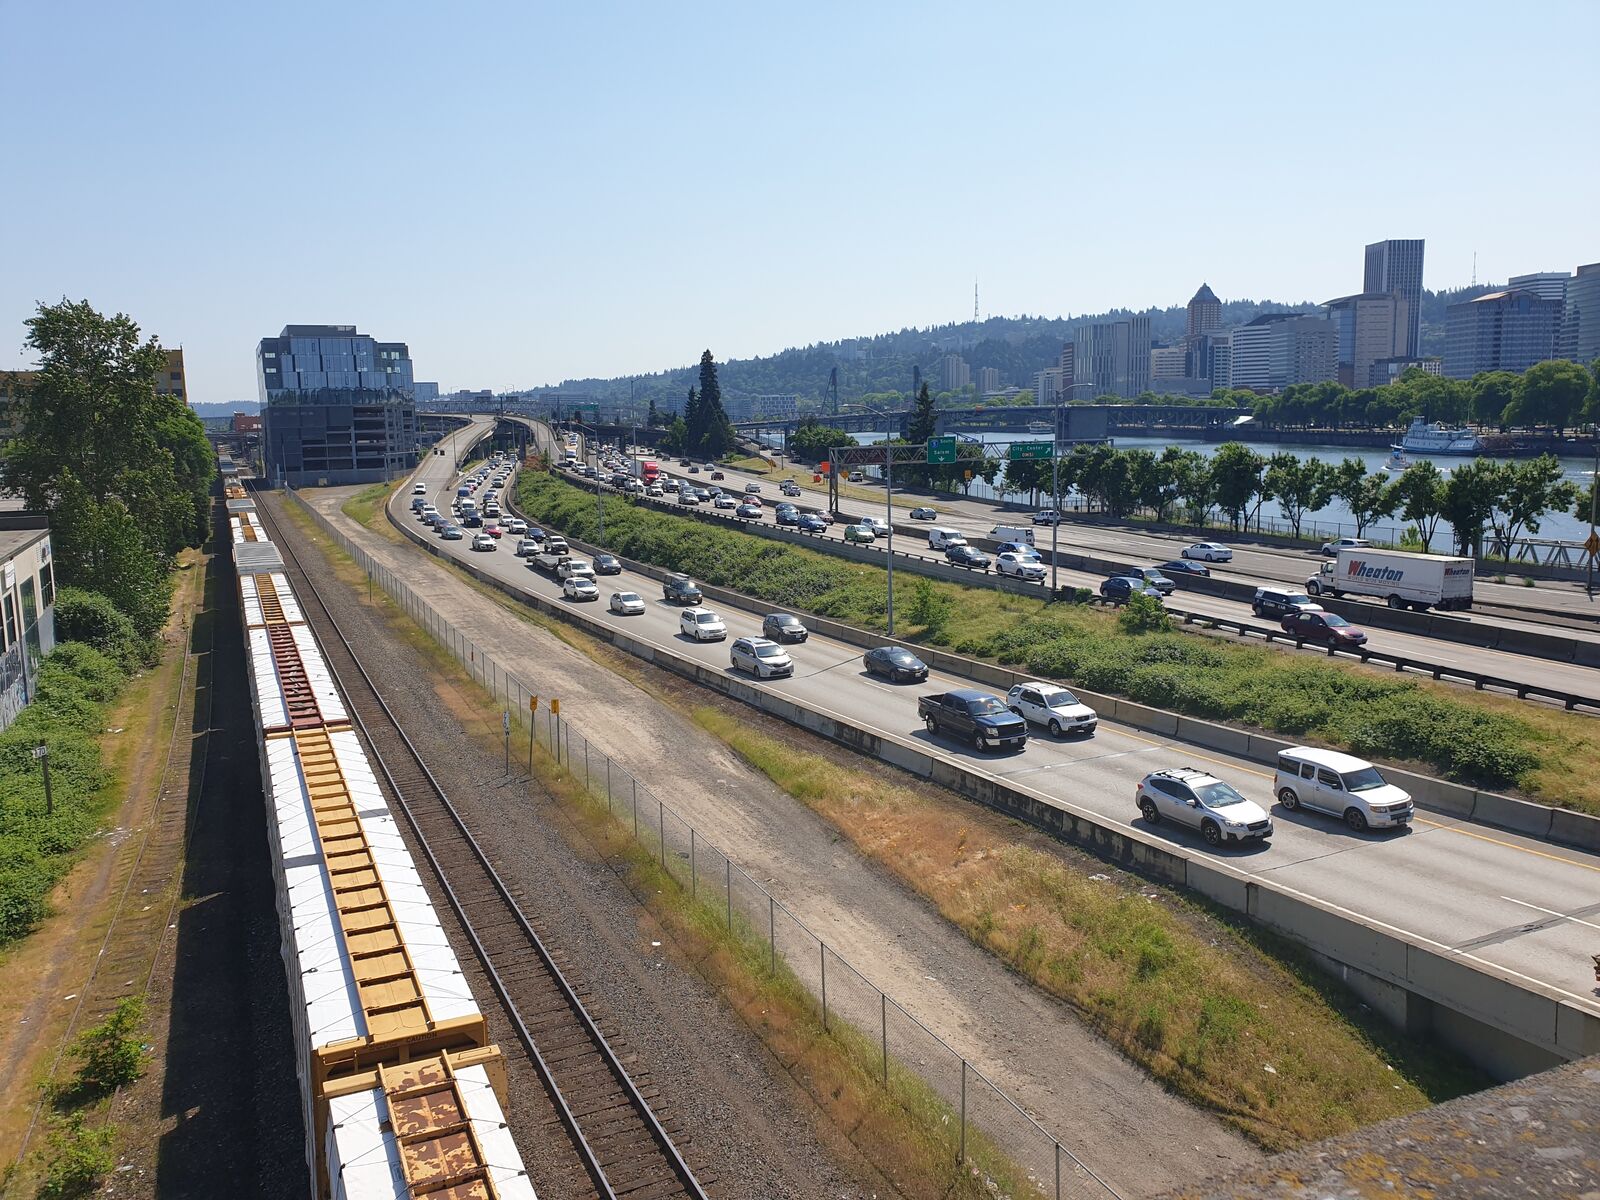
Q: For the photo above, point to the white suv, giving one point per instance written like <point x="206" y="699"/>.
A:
<point x="761" y="658"/>
<point x="1051" y="705"/>
<point x="1341" y="785"/>
<point x="702" y="625"/>
<point x="1201" y="801"/>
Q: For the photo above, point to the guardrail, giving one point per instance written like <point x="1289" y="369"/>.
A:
<point x="1509" y="1025"/>
<point x="873" y="552"/>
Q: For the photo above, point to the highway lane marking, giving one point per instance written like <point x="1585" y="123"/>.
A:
<point x="1483" y="837"/>
<point x="1073" y="762"/>
<point x="1564" y="916"/>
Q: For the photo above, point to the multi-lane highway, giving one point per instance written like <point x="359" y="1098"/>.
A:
<point x="1519" y="904"/>
<point x="1428" y="650"/>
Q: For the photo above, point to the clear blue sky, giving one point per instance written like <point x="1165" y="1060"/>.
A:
<point x="528" y="192"/>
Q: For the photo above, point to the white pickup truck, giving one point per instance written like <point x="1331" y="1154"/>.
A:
<point x="1401" y="580"/>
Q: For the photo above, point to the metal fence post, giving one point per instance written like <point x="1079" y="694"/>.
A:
<point x="883" y="1017"/>
<point x="636" y="810"/>
<point x="727" y="872"/>
<point x="694" y="877"/>
<point x="661" y="821"/>
<point x="586" y="764"/>
<point x="608" y="783"/>
<point x="1058" y="1171"/>
<point x="772" y="933"/>
<point x="822" y="949"/>
<point x="961" y="1155"/>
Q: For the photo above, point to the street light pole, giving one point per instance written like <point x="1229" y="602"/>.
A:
<point x="1055" y="493"/>
<point x="1594" y="486"/>
<point x="888" y="513"/>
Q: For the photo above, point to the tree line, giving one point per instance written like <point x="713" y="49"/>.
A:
<point x="1508" y="498"/>
<point x="124" y="473"/>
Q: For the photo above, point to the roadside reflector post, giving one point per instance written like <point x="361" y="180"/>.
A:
<point x="883" y="1019"/>
<point x="636" y="810"/>
<point x="505" y="728"/>
<point x="533" y="708"/>
<point x="772" y="934"/>
<point x="822" y="950"/>
<point x="961" y="1154"/>
<point x="661" y="819"/>
<point x="694" y="878"/>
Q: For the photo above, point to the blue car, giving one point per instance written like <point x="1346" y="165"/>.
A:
<point x="1120" y="587"/>
<point x="811" y="523"/>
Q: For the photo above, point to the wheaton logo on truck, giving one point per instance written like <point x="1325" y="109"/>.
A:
<point x="1358" y="569"/>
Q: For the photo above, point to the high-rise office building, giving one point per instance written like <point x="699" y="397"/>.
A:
<point x="954" y="374"/>
<point x="1111" y="358"/>
<point x="1049" y="386"/>
<point x="1279" y="349"/>
<point x="1396" y="266"/>
<point x="1580" y="322"/>
<point x="1503" y="331"/>
<point x="1065" y="362"/>
<point x="1205" y="313"/>
<point x="1368" y="328"/>
<point x="987" y="380"/>
<point x="337" y="406"/>
<point x="171" y="381"/>
<point x="1169" y="362"/>
<point x="1548" y="285"/>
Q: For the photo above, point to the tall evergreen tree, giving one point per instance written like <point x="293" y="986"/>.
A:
<point x="692" y="422"/>
<point x="652" y="418"/>
<point x="714" y="435"/>
<point x="924" y="417"/>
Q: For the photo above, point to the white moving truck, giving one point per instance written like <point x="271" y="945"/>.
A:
<point x="1419" y="581"/>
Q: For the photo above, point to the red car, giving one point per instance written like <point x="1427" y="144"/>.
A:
<point x="495" y="531"/>
<point x="1328" y="628"/>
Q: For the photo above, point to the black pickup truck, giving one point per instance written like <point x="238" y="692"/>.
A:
<point x="973" y="716"/>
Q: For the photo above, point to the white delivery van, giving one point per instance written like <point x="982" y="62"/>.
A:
<point x="942" y="539"/>
<point x="1012" y="533"/>
<point x="1401" y="580"/>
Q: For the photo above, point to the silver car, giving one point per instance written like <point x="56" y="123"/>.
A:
<point x="1186" y="796"/>
<point x="628" y="604"/>
<point x="761" y="658"/>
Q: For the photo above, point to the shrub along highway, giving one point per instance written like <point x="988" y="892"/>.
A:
<point x="1522" y="905"/>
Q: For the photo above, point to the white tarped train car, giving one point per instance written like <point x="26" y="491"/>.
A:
<point x="402" y="1092"/>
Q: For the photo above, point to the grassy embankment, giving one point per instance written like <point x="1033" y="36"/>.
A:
<point x="369" y="501"/>
<point x="904" y="1130"/>
<point x="1485" y="740"/>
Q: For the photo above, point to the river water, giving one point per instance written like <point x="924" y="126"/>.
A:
<point x="1334" y="519"/>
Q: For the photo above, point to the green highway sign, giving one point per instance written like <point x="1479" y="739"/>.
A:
<point x="1027" y="450"/>
<point x="942" y="450"/>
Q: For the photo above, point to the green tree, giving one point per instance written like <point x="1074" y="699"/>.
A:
<point x="711" y="433"/>
<point x="1300" y="486"/>
<point x="1143" y="614"/>
<point x="652" y="418"/>
<point x="693" y="420"/>
<point x="1105" y="477"/>
<point x="1029" y="475"/>
<point x="1236" y="480"/>
<point x="676" y="439"/>
<point x="1494" y="393"/>
<point x="1553" y="393"/>
<point x="1151" y="481"/>
<point x="1467" y="501"/>
<point x="1420" y="492"/>
<point x="1191" y="477"/>
<point x="1527" y="491"/>
<point x="924" y="422"/>
<point x="1369" y="498"/>
<point x="811" y="440"/>
<point x="109" y="554"/>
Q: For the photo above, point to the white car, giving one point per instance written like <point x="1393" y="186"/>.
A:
<point x="1331" y="549"/>
<point x="580" y="587"/>
<point x="1208" y="552"/>
<point x="629" y="604"/>
<point x="517" y="526"/>
<point x="1051" y="705"/>
<point x="761" y="658"/>
<point x="1012" y="563"/>
<point x="527" y="547"/>
<point x="419" y="489"/>
<point x="924" y="514"/>
<point x="877" y="524"/>
<point x="751" y="489"/>
<point x="483" y="542"/>
<point x="702" y="625"/>
<point x="725" y="501"/>
<point x="655" y="489"/>
<point x="427" y="513"/>
<point x="687" y="498"/>
<point x="1201" y="801"/>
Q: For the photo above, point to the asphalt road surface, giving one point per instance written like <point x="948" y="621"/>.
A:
<point x="1489" y="896"/>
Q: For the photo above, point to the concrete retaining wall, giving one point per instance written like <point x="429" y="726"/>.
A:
<point x="1509" y="1026"/>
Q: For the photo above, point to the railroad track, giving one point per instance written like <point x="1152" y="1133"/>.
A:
<point x="626" y="1148"/>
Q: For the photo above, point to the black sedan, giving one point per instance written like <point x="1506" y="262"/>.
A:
<point x="967" y="556"/>
<point x="788" y="516"/>
<point x="1184" y="566"/>
<point x="895" y="664"/>
<point x="1120" y="587"/>
<point x="607" y="564"/>
<point x="783" y="627"/>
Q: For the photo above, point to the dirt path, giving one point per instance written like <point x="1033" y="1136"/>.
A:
<point x="1081" y="1089"/>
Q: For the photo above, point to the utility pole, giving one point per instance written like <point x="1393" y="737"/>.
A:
<point x="1055" y="493"/>
<point x="888" y="514"/>
<point x="1594" y="486"/>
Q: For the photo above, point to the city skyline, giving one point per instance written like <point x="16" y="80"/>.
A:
<point x="535" y="227"/>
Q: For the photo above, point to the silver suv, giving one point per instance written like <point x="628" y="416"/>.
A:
<point x="1191" y="797"/>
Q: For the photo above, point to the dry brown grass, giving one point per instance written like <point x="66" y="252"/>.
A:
<point x="1260" y="1038"/>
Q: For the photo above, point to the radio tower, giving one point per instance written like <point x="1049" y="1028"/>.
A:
<point x="974" y="301"/>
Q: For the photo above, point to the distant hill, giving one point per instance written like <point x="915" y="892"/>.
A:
<point x="1016" y="346"/>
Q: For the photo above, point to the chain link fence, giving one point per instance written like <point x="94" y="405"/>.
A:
<point x="970" y="1118"/>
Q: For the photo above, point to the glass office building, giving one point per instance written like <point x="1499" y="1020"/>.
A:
<point x="337" y="407"/>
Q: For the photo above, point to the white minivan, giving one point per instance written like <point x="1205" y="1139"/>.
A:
<point x="942" y="539"/>
<point x="1341" y="785"/>
<point x="1012" y="533"/>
